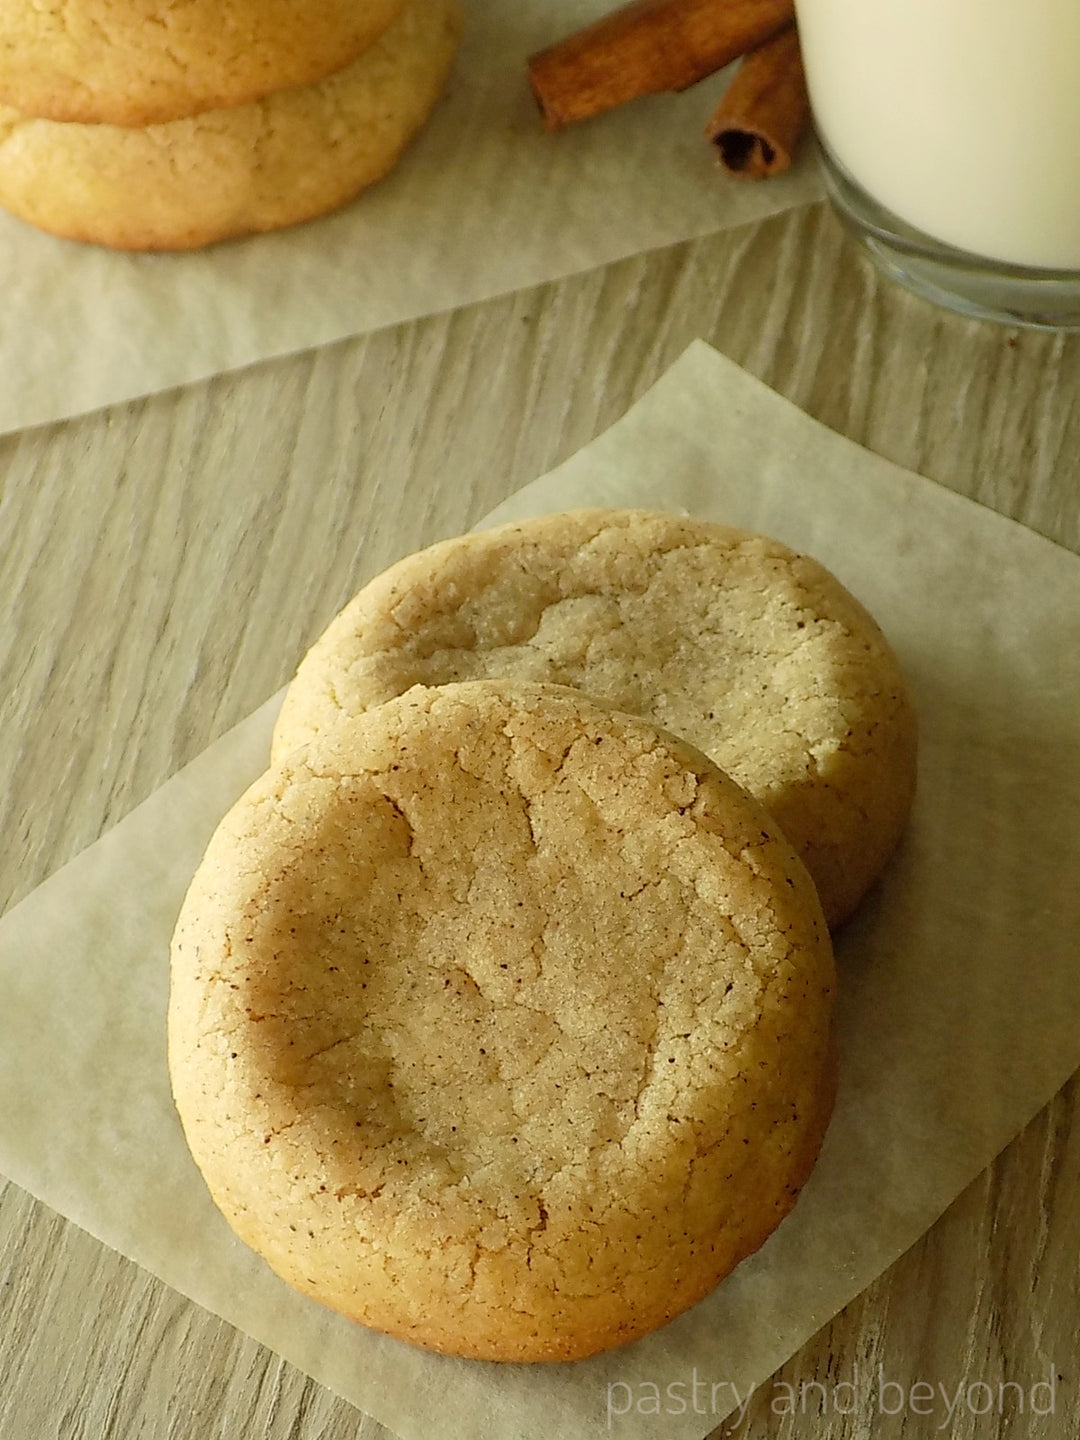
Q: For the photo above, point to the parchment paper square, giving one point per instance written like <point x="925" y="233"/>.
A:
<point x="959" y="997"/>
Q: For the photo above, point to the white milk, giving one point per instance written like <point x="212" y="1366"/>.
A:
<point x="961" y="116"/>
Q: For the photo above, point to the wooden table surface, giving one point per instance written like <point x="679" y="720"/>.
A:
<point x="164" y="563"/>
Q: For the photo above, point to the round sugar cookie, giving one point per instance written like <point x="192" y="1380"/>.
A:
<point x="140" y="62"/>
<point x="754" y="653"/>
<point x="501" y="1022"/>
<point x="224" y="173"/>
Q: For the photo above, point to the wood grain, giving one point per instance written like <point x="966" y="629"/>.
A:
<point x="163" y="564"/>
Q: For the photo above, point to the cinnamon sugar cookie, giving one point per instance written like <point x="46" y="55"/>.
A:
<point x="755" y="654"/>
<point x="500" y="1022"/>
<point x="140" y="62"/>
<point x="292" y="156"/>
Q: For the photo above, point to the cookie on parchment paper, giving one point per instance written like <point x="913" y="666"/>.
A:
<point x="295" y="155"/>
<point x="141" y="62"/>
<point x="501" y="1022"/>
<point x="754" y="653"/>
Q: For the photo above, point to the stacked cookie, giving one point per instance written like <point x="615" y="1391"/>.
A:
<point x="754" y="653"/>
<point x="501" y="1016"/>
<point x="141" y="125"/>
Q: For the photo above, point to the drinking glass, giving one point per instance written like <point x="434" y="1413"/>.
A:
<point x="950" y="132"/>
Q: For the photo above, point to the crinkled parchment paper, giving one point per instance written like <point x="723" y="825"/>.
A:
<point x="960" y="997"/>
<point x="484" y="202"/>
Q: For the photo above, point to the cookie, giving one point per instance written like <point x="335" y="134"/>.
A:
<point x="501" y="1022"/>
<point x="140" y="62"/>
<point x="752" y="652"/>
<point x="295" y="155"/>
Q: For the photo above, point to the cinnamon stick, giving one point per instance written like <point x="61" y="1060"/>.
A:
<point x="765" y="112"/>
<point x="647" y="47"/>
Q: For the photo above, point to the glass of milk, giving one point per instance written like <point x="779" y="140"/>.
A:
<point x="950" y="131"/>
